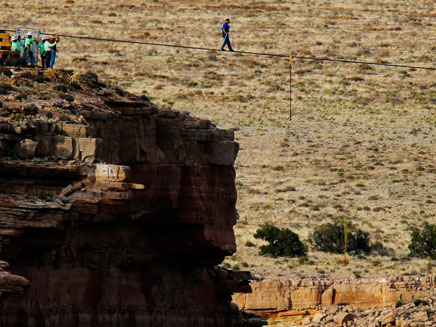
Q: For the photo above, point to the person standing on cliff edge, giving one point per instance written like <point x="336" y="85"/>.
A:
<point x="225" y="30"/>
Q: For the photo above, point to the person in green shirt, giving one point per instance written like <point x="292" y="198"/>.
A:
<point x="42" y="52"/>
<point x="28" y="44"/>
<point x="15" y="46"/>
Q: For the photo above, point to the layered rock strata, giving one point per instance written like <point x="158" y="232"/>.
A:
<point x="272" y="298"/>
<point x="117" y="211"/>
<point x="420" y="313"/>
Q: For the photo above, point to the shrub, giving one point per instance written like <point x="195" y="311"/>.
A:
<point x="423" y="243"/>
<point x="302" y="260"/>
<point x="330" y="238"/>
<point x="418" y="302"/>
<point x="17" y="116"/>
<point x="282" y="242"/>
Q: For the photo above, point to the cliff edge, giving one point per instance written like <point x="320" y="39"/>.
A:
<point x="115" y="210"/>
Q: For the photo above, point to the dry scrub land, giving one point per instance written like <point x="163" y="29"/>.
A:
<point x="361" y="142"/>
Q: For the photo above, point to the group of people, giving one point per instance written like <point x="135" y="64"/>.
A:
<point x="46" y="49"/>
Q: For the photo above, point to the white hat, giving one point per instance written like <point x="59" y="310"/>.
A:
<point x="44" y="38"/>
<point x="29" y="33"/>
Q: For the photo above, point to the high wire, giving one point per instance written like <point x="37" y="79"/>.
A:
<point x="246" y="53"/>
<point x="238" y="52"/>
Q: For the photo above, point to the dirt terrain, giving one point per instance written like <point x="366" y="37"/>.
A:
<point x="361" y="142"/>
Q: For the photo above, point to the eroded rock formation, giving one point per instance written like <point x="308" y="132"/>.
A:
<point x="117" y="211"/>
<point x="281" y="297"/>
<point x="419" y="313"/>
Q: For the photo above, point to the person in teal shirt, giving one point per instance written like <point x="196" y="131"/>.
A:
<point x="15" y="46"/>
<point x="28" y="44"/>
<point x="41" y="49"/>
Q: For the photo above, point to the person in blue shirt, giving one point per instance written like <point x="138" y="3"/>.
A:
<point x="225" y="30"/>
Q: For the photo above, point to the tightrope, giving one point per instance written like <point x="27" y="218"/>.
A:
<point x="238" y="52"/>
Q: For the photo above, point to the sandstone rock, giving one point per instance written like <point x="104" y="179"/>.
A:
<point x="402" y="323"/>
<point x="388" y="319"/>
<point x="63" y="147"/>
<point x="26" y="148"/>
<point x="306" y="320"/>
<point x="361" y="293"/>
<point x="343" y="317"/>
<point x="420" y="316"/>
<point x="318" y="317"/>
<point x="73" y="130"/>
<point x="45" y="145"/>
<point x="121" y="218"/>
<point x="88" y="149"/>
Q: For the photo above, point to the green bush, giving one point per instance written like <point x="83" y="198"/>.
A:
<point x="423" y="243"/>
<point x="302" y="260"/>
<point x="330" y="238"/>
<point x="418" y="302"/>
<point x="282" y="242"/>
<point x="17" y="116"/>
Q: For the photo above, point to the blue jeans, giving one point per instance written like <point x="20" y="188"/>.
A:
<point x="226" y="41"/>
<point x="52" y="58"/>
<point x="30" y="59"/>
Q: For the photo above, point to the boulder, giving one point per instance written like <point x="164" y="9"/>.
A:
<point x="342" y="318"/>
<point x="388" y="319"/>
<point x="420" y="316"/>
<point x="318" y="317"/>
<point x="25" y="149"/>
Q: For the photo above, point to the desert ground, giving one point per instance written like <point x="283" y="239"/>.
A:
<point x="361" y="143"/>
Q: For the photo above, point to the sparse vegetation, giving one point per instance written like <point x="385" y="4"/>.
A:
<point x="17" y="116"/>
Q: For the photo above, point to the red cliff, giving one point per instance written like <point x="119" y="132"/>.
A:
<point x="115" y="210"/>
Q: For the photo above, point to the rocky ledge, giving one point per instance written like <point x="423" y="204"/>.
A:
<point x="116" y="210"/>
<point x="420" y="313"/>
<point x="325" y="302"/>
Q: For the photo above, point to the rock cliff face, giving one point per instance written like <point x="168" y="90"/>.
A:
<point x="272" y="297"/>
<point x="116" y="211"/>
